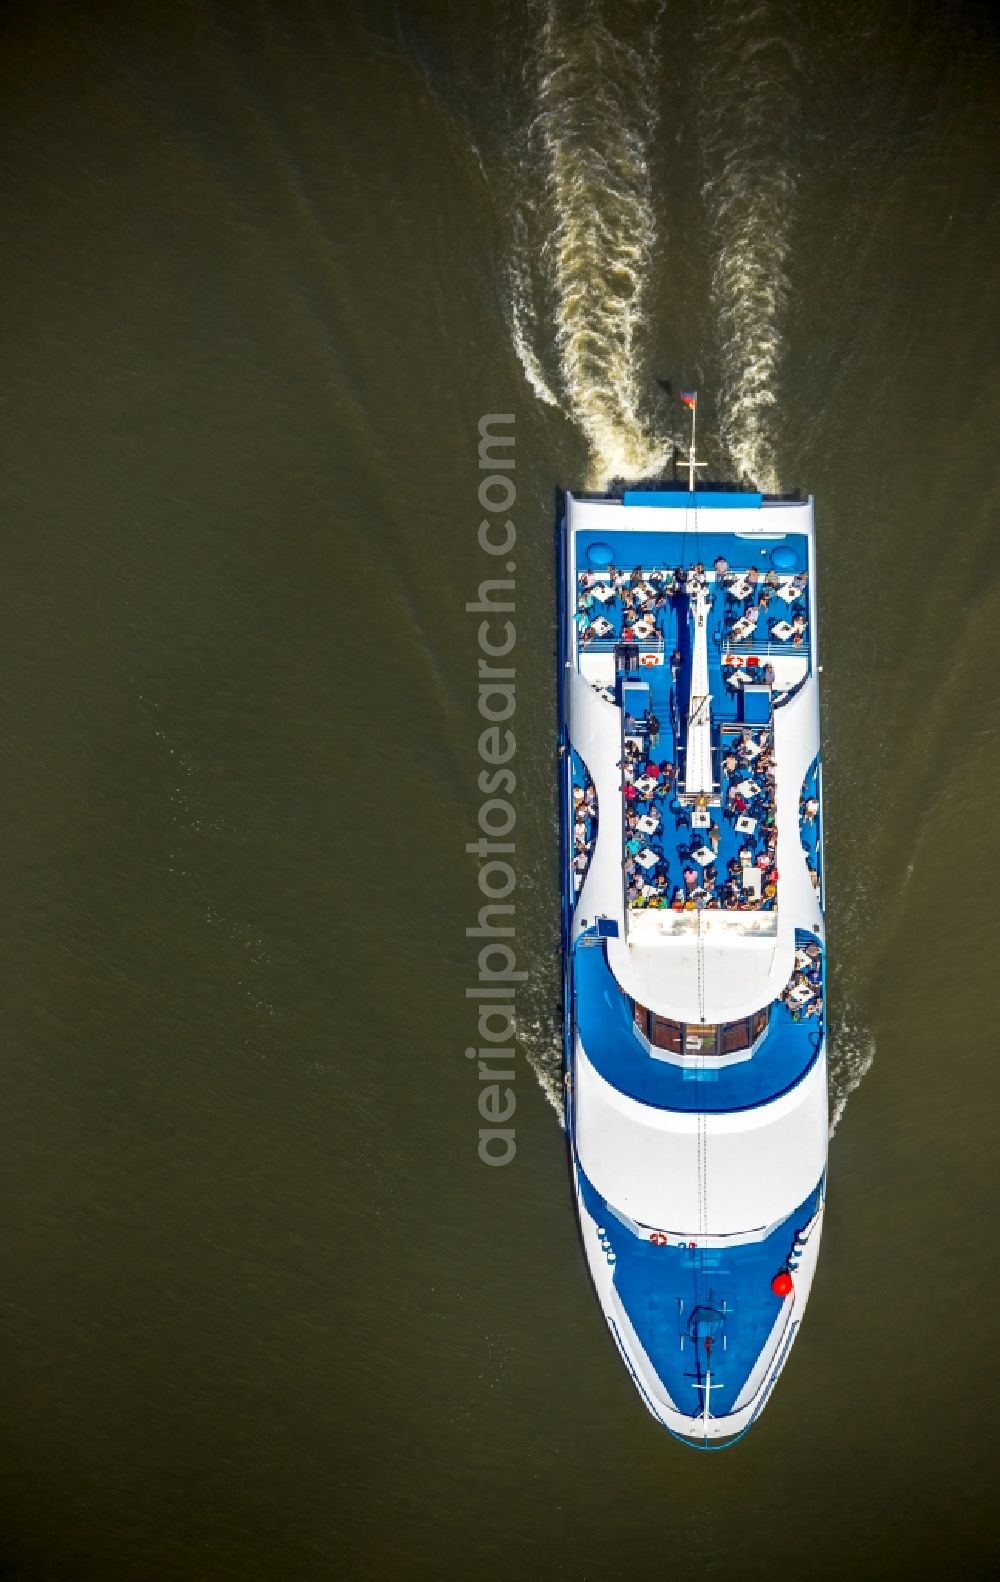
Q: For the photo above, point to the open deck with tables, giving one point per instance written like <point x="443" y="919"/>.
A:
<point x="635" y="643"/>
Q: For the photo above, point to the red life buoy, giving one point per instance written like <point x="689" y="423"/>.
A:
<point x="648" y="660"/>
<point x="657" y="1238"/>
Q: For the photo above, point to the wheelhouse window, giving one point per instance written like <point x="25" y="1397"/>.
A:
<point x="700" y="1038"/>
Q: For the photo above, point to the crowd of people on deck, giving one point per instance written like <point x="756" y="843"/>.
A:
<point x="748" y="597"/>
<point x="750" y="882"/>
<point x="646" y="788"/>
<point x="803" y="993"/>
<point x="808" y="816"/>
<point x="748" y="794"/>
<point x="584" y="829"/>
<point x="640" y="597"/>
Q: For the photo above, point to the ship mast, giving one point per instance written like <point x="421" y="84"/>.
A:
<point x="691" y="402"/>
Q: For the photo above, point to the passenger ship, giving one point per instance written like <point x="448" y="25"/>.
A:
<point x="693" y="934"/>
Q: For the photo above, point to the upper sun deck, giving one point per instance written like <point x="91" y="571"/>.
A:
<point x="690" y="634"/>
<point x="696" y="655"/>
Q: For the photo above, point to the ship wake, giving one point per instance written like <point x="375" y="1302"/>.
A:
<point x="585" y="249"/>
<point x="749" y="86"/>
<point x="851" y="1050"/>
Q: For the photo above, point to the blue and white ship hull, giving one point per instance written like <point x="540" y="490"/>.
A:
<point x="694" y="936"/>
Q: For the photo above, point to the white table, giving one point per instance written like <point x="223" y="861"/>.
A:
<point x="800" y="994"/>
<point x="701" y="818"/>
<point x="786" y="590"/>
<point x="603" y="592"/>
<point x="740" y="588"/>
<point x="647" y="858"/>
<point x="745" y="824"/>
<point x="748" y="788"/>
<point x="752" y="748"/>
<point x="644" y="628"/>
<point x="802" y="960"/>
<point x="645" y="785"/>
<point x="703" y="856"/>
<point x="603" y="627"/>
<point x="782" y="631"/>
<point x="647" y="824"/>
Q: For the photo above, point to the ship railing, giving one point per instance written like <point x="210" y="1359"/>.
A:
<point x="607" y="645"/>
<point x="766" y="648"/>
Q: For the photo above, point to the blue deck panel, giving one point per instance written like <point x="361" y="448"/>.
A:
<point x="681" y="499"/>
<point x="661" y="1287"/>
<point x="649" y="548"/>
<point x="603" y="1016"/>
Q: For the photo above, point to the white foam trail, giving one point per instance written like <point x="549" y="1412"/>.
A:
<point x="851" y="1050"/>
<point x="595" y="90"/>
<point x="749" y="86"/>
<point x="521" y="312"/>
<point x="542" y="1044"/>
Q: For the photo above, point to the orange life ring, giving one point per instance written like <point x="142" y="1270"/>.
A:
<point x="648" y="660"/>
<point x="657" y="1238"/>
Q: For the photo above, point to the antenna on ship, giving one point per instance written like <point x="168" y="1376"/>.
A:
<point x="707" y="1387"/>
<point x="689" y="398"/>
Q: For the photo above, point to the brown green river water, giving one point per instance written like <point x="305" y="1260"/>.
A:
<point x="265" y="1314"/>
